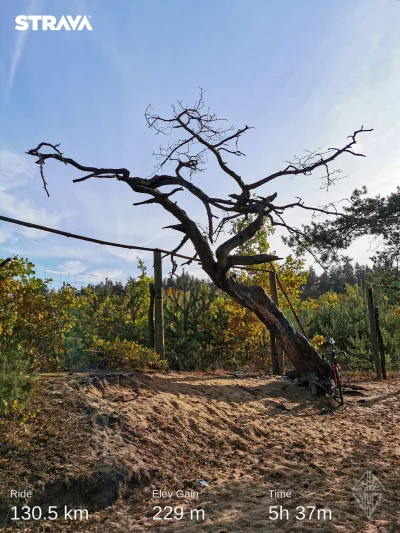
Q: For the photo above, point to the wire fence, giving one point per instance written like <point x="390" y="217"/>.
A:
<point x="75" y="279"/>
<point x="350" y="364"/>
<point x="365" y="363"/>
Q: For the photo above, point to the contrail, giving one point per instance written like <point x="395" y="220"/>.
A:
<point x="33" y="6"/>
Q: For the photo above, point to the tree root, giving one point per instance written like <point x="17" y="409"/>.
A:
<point x="318" y="386"/>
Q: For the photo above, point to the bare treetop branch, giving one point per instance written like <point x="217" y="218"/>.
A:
<point x="312" y="161"/>
<point x="203" y="132"/>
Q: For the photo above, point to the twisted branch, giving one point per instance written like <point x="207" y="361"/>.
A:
<point x="204" y="133"/>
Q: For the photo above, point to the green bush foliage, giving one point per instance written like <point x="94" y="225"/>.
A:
<point x="15" y="381"/>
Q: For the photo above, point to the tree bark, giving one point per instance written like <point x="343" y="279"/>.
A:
<point x="374" y="336"/>
<point x="300" y="352"/>
<point x="297" y="348"/>
<point x="274" y="355"/>
<point x="280" y="356"/>
<point x="247" y="260"/>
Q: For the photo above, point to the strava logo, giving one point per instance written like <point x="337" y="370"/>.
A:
<point x="48" y="22"/>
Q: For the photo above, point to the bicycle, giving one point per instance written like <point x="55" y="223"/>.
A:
<point x="336" y="371"/>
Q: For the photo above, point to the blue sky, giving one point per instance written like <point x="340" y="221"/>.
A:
<point x="304" y="73"/>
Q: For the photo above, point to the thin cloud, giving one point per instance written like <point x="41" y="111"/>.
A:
<point x="15" y="207"/>
<point x="33" y="6"/>
<point x="15" y="172"/>
<point x="16" y="56"/>
<point x="74" y="267"/>
<point x="15" y="169"/>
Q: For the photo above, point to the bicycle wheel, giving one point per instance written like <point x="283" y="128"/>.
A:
<point x="338" y="383"/>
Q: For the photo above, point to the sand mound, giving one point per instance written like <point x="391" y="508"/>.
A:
<point x="106" y="442"/>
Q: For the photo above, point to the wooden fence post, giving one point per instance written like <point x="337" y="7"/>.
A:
<point x="380" y="343"/>
<point x="274" y="354"/>
<point x="374" y="337"/>
<point x="278" y="357"/>
<point x="158" y="297"/>
<point x="151" y="316"/>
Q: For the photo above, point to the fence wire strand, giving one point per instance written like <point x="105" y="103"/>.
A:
<point x="75" y="279"/>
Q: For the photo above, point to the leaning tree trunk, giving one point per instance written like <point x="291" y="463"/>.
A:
<point x="298" y="349"/>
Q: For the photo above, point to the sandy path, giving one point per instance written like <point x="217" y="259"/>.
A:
<point x="252" y="436"/>
<point x="245" y="437"/>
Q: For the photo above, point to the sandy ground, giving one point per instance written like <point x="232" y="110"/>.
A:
<point x="245" y="436"/>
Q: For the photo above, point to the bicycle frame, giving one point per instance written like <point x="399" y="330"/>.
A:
<point x="335" y="364"/>
<point x="336" y="371"/>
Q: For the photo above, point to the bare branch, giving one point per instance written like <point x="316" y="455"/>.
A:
<point x="150" y="201"/>
<point x="222" y="223"/>
<point x="190" y="261"/>
<point x="5" y="262"/>
<point x="247" y="260"/>
<point x="41" y="163"/>
<point x="94" y="175"/>
<point x="177" y="227"/>
<point x="203" y="132"/>
<point x="164" y="195"/>
<point x="299" y="235"/>
<point x="308" y="164"/>
<point x="119" y="173"/>
<point x="203" y="128"/>
<point x="300" y="203"/>
<point x="176" y="250"/>
<point x="240" y="238"/>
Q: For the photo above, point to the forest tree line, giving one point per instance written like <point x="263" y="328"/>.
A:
<point x="107" y="325"/>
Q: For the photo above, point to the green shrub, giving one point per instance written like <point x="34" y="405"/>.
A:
<point x="124" y="354"/>
<point x="15" y="380"/>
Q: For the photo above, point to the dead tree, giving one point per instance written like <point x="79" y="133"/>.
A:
<point x="199" y="134"/>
